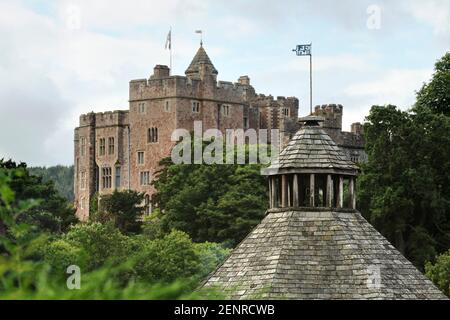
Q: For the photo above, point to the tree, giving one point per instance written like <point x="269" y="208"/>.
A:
<point x="404" y="188"/>
<point x="435" y="95"/>
<point x="61" y="176"/>
<point x="108" y="259"/>
<point x="53" y="213"/>
<point x="167" y="259"/>
<point x="92" y="245"/>
<point x="439" y="272"/>
<point x="123" y="208"/>
<point x="216" y="203"/>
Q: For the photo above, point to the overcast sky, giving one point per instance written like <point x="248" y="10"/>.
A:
<point x="59" y="59"/>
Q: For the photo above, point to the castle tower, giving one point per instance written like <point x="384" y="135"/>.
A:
<point x="201" y="66"/>
<point x="313" y="243"/>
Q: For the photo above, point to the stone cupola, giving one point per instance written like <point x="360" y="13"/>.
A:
<point x="312" y="243"/>
<point x="312" y="171"/>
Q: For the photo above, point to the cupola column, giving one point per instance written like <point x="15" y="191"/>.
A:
<point x="341" y="192"/>
<point x="284" y="191"/>
<point x="330" y="191"/>
<point x="352" y="193"/>
<point x="295" y="191"/>
<point x="273" y="192"/>
<point x="312" y="189"/>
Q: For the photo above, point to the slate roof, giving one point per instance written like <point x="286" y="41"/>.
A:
<point x="314" y="253"/>
<point x="200" y="57"/>
<point x="312" y="148"/>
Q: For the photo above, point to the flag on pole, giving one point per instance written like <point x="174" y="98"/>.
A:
<point x="303" y="49"/>
<point x="200" y="32"/>
<point x="169" y="40"/>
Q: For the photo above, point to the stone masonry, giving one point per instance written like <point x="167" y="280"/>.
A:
<point x="121" y="150"/>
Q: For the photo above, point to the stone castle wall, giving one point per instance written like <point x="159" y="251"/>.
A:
<point x="166" y="102"/>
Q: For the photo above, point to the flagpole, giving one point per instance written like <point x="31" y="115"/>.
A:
<point x="306" y="50"/>
<point x="170" y="51"/>
<point x="310" y="82"/>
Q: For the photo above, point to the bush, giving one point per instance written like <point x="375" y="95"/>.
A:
<point x="439" y="272"/>
<point x="211" y="255"/>
<point x="61" y="254"/>
<point x="101" y="242"/>
<point x="168" y="259"/>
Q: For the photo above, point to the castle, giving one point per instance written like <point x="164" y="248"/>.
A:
<point x="121" y="150"/>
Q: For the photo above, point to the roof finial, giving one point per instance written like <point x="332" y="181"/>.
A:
<point x="201" y="36"/>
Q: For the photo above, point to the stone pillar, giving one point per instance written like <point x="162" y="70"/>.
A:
<point x="352" y="193"/>
<point x="295" y="191"/>
<point x="330" y="191"/>
<point x="312" y="190"/>
<point x="341" y="192"/>
<point x="273" y="194"/>
<point x="289" y="191"/>
<point x="284" y="191"/>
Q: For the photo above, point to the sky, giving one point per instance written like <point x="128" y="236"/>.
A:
<point x="60" y="59"/>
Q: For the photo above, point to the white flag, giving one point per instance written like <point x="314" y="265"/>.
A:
<point x="169" y="40"/>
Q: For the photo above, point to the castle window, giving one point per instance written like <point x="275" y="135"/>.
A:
<point x="245" y="122"/>
<point x="141" y="107"/>
<point x="145" y="178"/>
<point x="152" y="135"/>
<point x="83" y="180"/>
<point x="225" y="110"/>
<point x="286" y="112"/>
<point x="147" y="205"/>
<point x="118" y="177"/>
<point x="111" y="145"/>
<point x="102" y="149"/>
<point x="82" y="203"/>
<point x="106" y="178"/>
<point x="167" y="106"/>
<point x="141" y="157"/>
<point x="195" y="107"/>
<point x="83" y="146"/>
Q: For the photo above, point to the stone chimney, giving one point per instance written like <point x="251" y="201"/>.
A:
<point x="357" y="128"/>
<point x="244" y="80"/>
<point x="160" y="71"/>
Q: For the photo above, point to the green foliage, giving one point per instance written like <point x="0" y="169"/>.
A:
<point x="435" y="95"/>
<point x="439" y="272"/>
<point x="100" y="243"/>
<point x="152" y="227"/>
<point x="53" y="213"/>
<point x="22" y="276"/>
<point x="211" y="255"/>
<point x="217" y="203"/>
<point x="167" y="259"/>
<point x="61" y="176"/>
<point x="404" y="189"/>
<point x="61" y="254"/>
<point x="122" y="208"/>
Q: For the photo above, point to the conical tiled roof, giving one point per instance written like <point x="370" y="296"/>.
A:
<point x="312" y="252"/>
<point x="200" y="57"/>
<point x="319" y="254"/>
<point x="312" y="148"/>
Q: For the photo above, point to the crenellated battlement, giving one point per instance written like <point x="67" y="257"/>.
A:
<point x="332" y="113"/>
<point x="161" y="85"/>
<point x="108" y="118"/>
